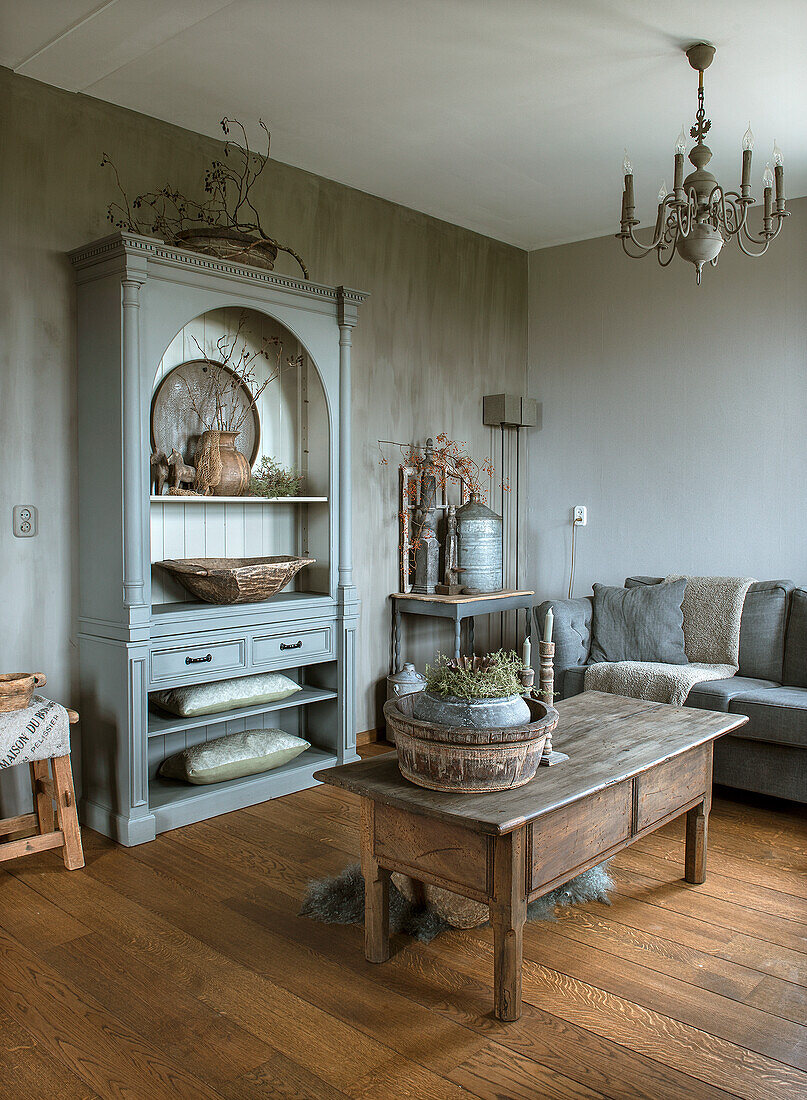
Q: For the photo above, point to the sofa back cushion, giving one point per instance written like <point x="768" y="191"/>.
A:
<point x="795" y="668"/>
<point x="638" y="624"/>
<point x="762" y="627"/>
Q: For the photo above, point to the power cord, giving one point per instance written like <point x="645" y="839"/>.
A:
<point x="571" y="571"/>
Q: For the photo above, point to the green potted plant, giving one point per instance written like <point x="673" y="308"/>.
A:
<point x="474" y="692"/>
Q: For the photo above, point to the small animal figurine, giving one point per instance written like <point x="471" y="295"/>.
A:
<point x="159" y="471"/>
<point x="181" y="474"/>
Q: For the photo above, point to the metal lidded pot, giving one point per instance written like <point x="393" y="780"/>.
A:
<point x="479" y="550"/>
<point x="405" y="682"/>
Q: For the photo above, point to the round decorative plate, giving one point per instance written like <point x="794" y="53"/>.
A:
<point x="175" y="422"/>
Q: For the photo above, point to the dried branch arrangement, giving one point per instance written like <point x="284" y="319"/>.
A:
<point x="450" y="462"/>
<point x="228" y="184"/>
<point x="219" y="408"/>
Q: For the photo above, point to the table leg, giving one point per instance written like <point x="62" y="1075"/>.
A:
<point x="508" y="912"/>
<point x="376" y="891"/>
<point x="396" y="637"/>
<point x="697" y="834"/>
<point x="457" y="630"/>
<point x="471" y="636"/>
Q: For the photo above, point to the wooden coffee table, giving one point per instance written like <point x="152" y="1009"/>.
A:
<point x="633" y="766"/>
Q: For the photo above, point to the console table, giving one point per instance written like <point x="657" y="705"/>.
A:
<point x="456" y="608"/>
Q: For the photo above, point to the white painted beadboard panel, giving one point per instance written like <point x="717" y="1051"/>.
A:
<point x="294" y="431"/>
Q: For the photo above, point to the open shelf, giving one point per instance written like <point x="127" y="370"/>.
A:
<point x="237" y="500"/>
<point x="159" y="724"/>
<point x="168" y="619"/>
<point x="176" y="804"/>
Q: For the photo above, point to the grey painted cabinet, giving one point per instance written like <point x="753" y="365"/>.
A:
<point x="137" y="299"/>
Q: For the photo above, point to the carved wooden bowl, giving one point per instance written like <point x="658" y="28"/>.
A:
<point x="471" y="761"/>
<point x="234" y="580"/>
<point x="16" y="689"/>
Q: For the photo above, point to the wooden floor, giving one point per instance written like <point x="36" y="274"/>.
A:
<point x="180" y="969"/>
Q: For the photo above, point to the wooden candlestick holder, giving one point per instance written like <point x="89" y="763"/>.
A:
<point x="546" y="682"/>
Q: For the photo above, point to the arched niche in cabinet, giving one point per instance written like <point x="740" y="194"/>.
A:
<point x="289" y="423"/>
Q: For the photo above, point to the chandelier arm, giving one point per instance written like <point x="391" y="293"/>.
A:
<point x="748" y="251"/>
<point x="765" y="238"/>
<point x="657" y="236"/>
<point x="645" y="247"/>
<point x="642" y="254"/>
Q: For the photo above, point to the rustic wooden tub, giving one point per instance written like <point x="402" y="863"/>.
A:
<point x="234" y="580"/>
<point x="469" y="761"/>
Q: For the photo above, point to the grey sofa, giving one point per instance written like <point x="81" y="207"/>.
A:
<point x="769" y="753"/>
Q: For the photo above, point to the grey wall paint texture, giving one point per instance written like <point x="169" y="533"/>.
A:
<point x="445" y="324"/>
<point x="676" y="413"/>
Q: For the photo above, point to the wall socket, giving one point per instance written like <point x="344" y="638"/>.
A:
<point x="580" y="515"/>
<point x="25" y="521"/>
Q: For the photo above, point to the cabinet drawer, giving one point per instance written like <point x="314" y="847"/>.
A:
<point x="198" y="661"/>
<point x="670" y="786"/>
<point x="293" y="646"/>
<point x="575" y="834"/>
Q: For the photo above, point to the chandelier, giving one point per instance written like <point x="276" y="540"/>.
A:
<point x="697" y="217"/>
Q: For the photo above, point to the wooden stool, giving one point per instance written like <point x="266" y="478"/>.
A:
<point x="46" y="791"/>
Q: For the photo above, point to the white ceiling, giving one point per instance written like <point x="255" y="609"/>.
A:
<point x="508" y="117"/>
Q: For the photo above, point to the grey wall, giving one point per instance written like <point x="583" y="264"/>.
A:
<point x="675" y="413"/>
<point x="446" y="323"/>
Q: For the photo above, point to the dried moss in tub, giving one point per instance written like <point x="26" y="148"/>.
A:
<point x="492" y="677"/>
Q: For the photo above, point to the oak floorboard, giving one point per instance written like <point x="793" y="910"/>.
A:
<point x="764" y="873"/>
<point x="641" y="876"/>
<point x="28" y="1069"/>
<point x="108" y="973"/>
<point x="692" y="932"/>
<point x="720" y="1015"/>
<point x="698" y="967"/>
<point x="737" y="1070"/>
<point x="96" y="1046"/>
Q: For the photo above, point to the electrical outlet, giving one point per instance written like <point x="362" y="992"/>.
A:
<point x="580" y="515"/>
<point x="25" y="521"/>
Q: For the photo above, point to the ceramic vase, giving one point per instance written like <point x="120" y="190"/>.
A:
<point x="234" y="466"/>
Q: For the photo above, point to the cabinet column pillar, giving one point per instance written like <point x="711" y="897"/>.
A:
<point x="348" y="599"/>
<point x="345" y="444"/>
<point x="133" y="573"/>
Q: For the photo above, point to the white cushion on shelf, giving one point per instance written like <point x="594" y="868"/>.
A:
<point x="233" y="756"/>
<point x="221" y="695"/>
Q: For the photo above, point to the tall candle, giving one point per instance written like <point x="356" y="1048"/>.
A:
<point x="549" y="622"/>
<point x="526" y="653"/>
<point x="746" y="183"/>
<point x="629" y="193"/>
<point x="778" y="175"/>
<point x="678" y="182"/>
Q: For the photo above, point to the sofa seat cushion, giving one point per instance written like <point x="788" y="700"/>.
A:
<point x="717" y="694"/>
<point x="778" y="715"/>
